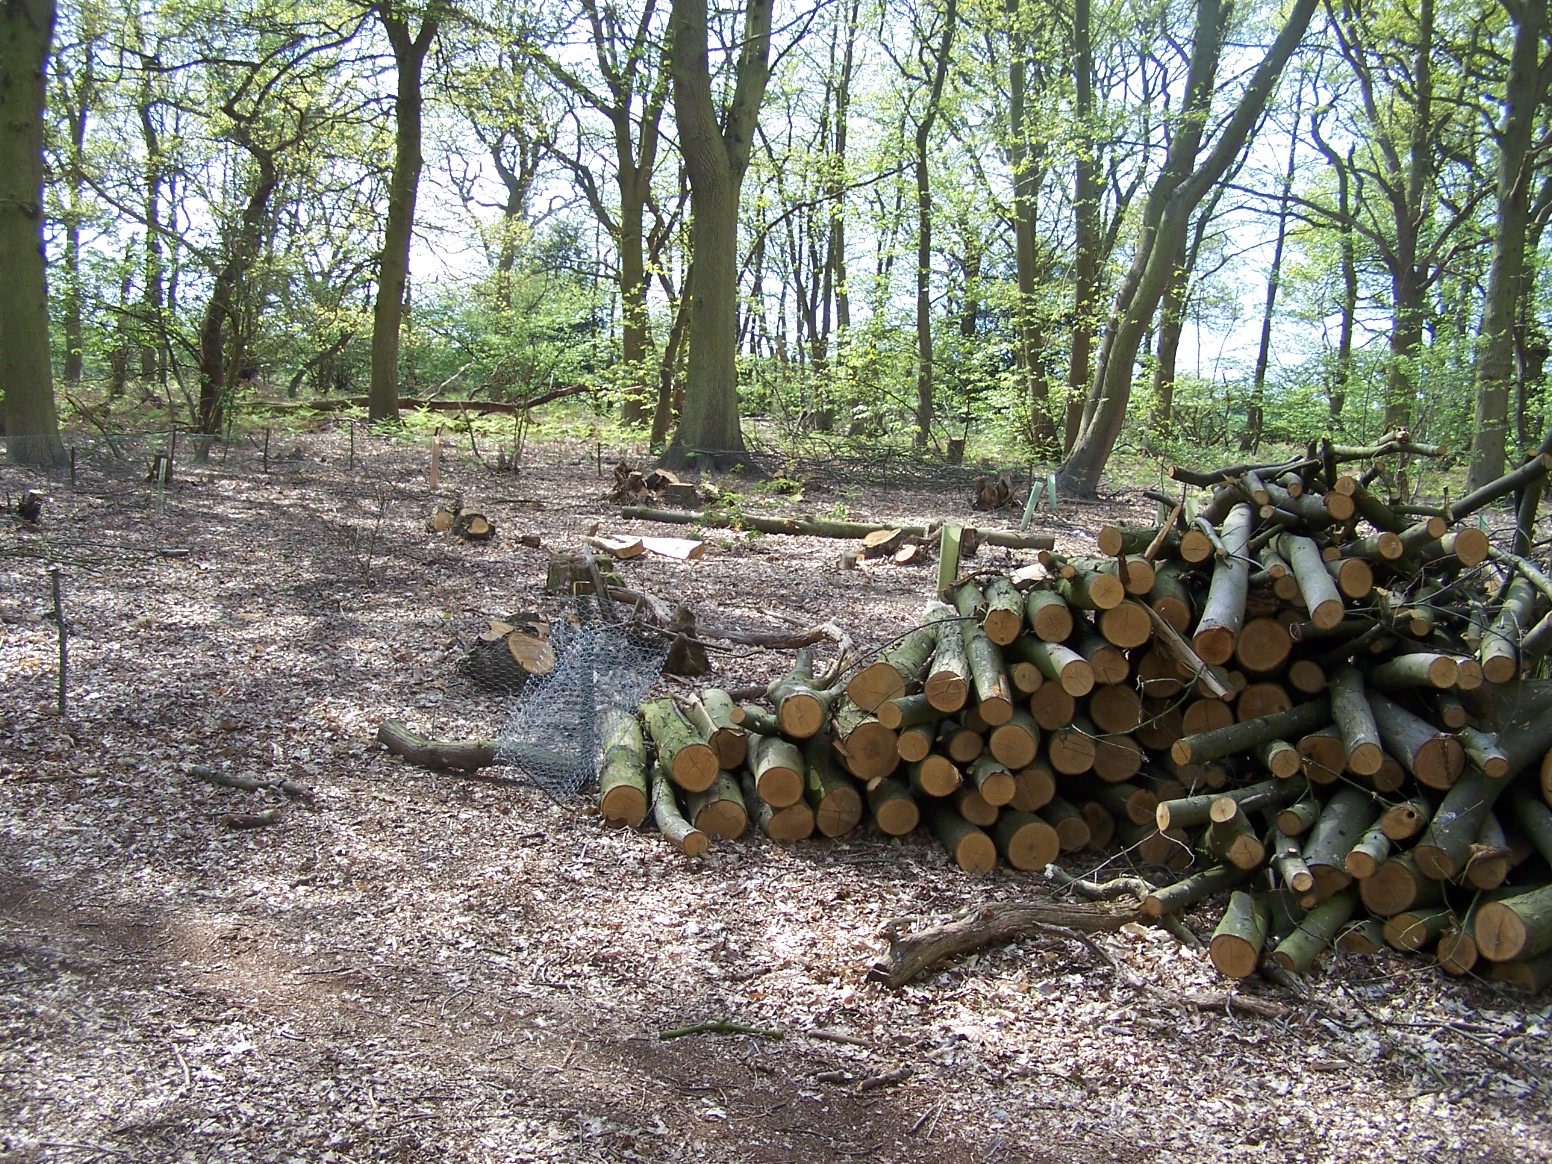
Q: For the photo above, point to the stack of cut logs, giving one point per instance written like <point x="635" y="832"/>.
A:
<point x="1294" y="691"/>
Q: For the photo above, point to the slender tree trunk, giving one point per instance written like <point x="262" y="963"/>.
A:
<point x="1524" y="92"/>
<point x="1029" y="355"/>
<point x="1177" y="192"/>
<point x="924" y="386"/>
<point x="153" y="368"/>
<point x="26" y="373"/>
<point x="634" y="345"/>
<point x="716" y="155"/>
<point x="1256" y="421"/>
<point x="1172" y="320"/>
<point x="1086" y="230"/>
<point x="76" y="117"/>
<point x="409" y="56"/>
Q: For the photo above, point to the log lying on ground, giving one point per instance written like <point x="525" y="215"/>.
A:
<point x="819" y="528"/>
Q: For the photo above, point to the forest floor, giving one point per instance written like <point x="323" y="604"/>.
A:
<point x="418" y="967"/>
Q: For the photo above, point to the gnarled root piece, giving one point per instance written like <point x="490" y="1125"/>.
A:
<point x="911" y="955"/>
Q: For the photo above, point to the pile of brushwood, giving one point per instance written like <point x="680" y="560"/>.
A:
<point x="1291" y="690"/>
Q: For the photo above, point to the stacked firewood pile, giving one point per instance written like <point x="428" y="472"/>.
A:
<point x="1293" y="691"/>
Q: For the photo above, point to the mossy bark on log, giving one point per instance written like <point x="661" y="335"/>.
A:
<point x="684" y="836"/>
<point x="1170" y="599"/>
<point x="1398" y="885"/>
<point x="622" y="771"/>
<point x="1241" y="737"/>
<point x="1425" y="669"/>
<point x="1287" y="858"/>
<point x="1235" y="948"/>
<point x="1235" y="842"/>
<point x="1072" y="830"/>
<point x="1047" y="615"/>
<point x="1059" y="663"/>
<point x="1016" y="743"/>
<point x="801" y="708"/>
<point x="690" y="760"/>
<point x="793" y="822"/>
<point x="933" y="775"/>
<point x="1499" y="653"/>
<point x="1372" y="850"/>
<point x="1531" y="975"/>
<point x="1004" y="617"/>
<point x="835" y="800"/>
<point x="989" y="677"/>
<point x="1025" y="841"/>
<point x="712" y="715"/>
<point x="1186" y="893"/>
<point x="1515" y="928"/>
<point x="1091" y="589"/>
<point x="972" y="850"/>
<point x="1354" y="719"/>
<point x="894" y="809"/>
<point x="1034" y="787"/>
<point x="1430" y="755"/>
<point x="1443" y="849"/>
<point x="1224" y="611"/>
<point x="1343" y="822"/>
<point x="1321" y="597"/>
<point x="947" y="685"/>
<point x="866" y="746"/>
<point x="1297" y="952"/>
<point x="777" y="766"/>
<point x="897" y="667"/>
<point x="720" y="810"/>
<point x="1188" y="812"/>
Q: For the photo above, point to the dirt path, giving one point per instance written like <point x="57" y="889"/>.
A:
<point x="420" y="968"/>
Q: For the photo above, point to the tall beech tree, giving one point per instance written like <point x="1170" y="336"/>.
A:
<point x="26" y="374"/>
<point x="1530" y="74"/>
<point x="716" y="153"/>
<point x="409" y="58"/>
<point x="1180" y="186"/>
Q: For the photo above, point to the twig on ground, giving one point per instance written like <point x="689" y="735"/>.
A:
<point x="719" y="1028"/>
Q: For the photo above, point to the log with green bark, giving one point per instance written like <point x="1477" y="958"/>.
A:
<point x="1091" y="589"/>
<point x="934" y="775"/>
<point x="1416" y="930"/>
<point x="864" y="744"/>
<point x="1235" y="948"/>
<point x="1191" y="811"/>
<point x="1535" y="818"/>
<point x="1241" y="737"/>
<point x="1354" y="719"/>
<point x="894" y="809"/>
<point x="1425" y="669"/>
<point x="1402" y="822"/>
<point x="793" y="822"/>
<point x="836" y="802"/>
<point x="1057" y="662"/>
<point x="1016" y="743"/>
<point x="1186" y="893"/>
<point x="777" y="768"/>
<point x="1445" y="846"/>
<point x="1072" y="828"/>
<point x="1434" y="757"/>
<point x="1297" y="952"/>
<point x="1025" y="841"/>
<point x="1372" y="850"/>
<point x="691" y="841"/>
<point x="1287" y="858"/>
<point x="813" y="527"/>
<point x="1236" y="842"/>
<point x="1499" y="653"/>
<point x="947" y="685"/>
<point x="720" y="810"/>
<point x="1343" y="822"/>
<point x="712" y="716"/>
<point x="1224" y="611"/>
<point x="1004" y="611"/>
<point x="907" y="712"/>
<point x="1482" y="749"/>
<point x="1398" y="885"/>
<point x="1047" y="615"/>
<point x="689" y="759"/>
<point x="992" y="780"/>
<point x="1515" y="928"/>
<point x="990" y="684"/>
<point x="801" y="706"/>
<point x="622" y="770"/>
<point x="1321" y="597"/>
<point x="972" y="850"/>
<point x="897" y="667"/>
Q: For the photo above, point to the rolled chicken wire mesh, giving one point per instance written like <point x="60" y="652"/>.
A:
<point x="551" y="739"/>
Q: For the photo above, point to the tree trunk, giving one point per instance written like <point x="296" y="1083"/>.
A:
<point x="1172" y="318"/>
<point x="1085" y="213"/>
<point x="1030" y="352"/>
<point x="409" y="57"/>
<point x="1175" y="195"/>
<point x="716" y="155"/>
<point x="26" y="374"/>
<point x="1524" y="91"/>
<point x="924" y="386"/>
<point x="1256" y="420"/>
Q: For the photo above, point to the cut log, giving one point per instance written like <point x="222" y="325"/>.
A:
<point x="1324" y="755"/>
<point x="1063" y="666"/>
<point x="1397" y="885"/>
<point x="795" y="822"/>
<point x="1354" y="577"/>
<point x="971" y="805"/>
<point x="1004" y="617"/>
<point x="454" y="755"/>
<point x="1500" y="649"/>
<point x="1240" y="737"/>
<point x="690" y="760"/>
<point x="1436" y="759"/>
<point x="1259" y="700"/>
<point x="972" y="850"/>
<point x="1048" y="615"/>
<point x="1372" y="850"/>
<point x="1362" y="936"/>
<point x="992" y="688"/>
<point x="1263" y="646"/>
<point x="961" y="742"/>
<point x="1191" y="811"/>
<point x="866" y="746"/>
<point x="1343" y="822"/>
<point x="947" y="685"/>
<point x="1015" y="743"/>
<point x="1126" y="626"/>
<point x="1445" y="846"/>
<point x="916" y="742"/>
<point x="1287" y="857"/>
<point x="1234" y="842"/>
<point x="907" y="711"/>
<point x="1297" y="952"/>
<point x="1354" y="719"/>
<point x="1482" y="749"/>
<point x="933" y="776"/>
<point x="1091" y="589"/>
<point x="1224" y="612"/>
<point x="1411" y="931"/>
<point x="801" y="707"/>
<point x="777" y="766"/>
<point x="1117" y="757"/>
<point x="1051" y="707"/>
<point x="882" y="543"/>
<point x="1319" y="591"/>
<point x="1109" y="662"/>
<point x="1116" y="709"/>
<point x="622" y="770"/>
<point x="1034" y="786"/>
<point x="1070" y="751"/>
<point x="890" y="675"/>
<point x="835" y="800"/>
<point x="821" y="528"/>
<point x="679" y="832"/>
<point x="1170" y="600"/>
<point x="1101" y="822"/>
<point x="712" y="715"/>
<point x="1198" y="887"/>
<point x="1279" y="757"/>
<point x="1424" y="669"/>
<point x="992" y="780"/>
<point x="720" y="810"/>
<point x="1515" y="928"/>
<point x="894" y="809"/>
<point x="1402" y="822"/>
<point x="1235" y="948"/>
<point x="1072" y="830"/>
<point x="1025" y="841"/>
